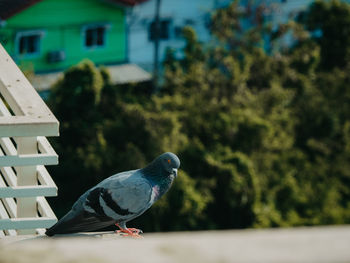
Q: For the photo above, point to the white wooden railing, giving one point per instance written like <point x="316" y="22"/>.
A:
<point x="25" y="120"/>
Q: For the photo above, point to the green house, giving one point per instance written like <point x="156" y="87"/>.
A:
<point x="51" y="35"/>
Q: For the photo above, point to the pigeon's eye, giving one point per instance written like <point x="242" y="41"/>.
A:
<point x="169" y="161"/>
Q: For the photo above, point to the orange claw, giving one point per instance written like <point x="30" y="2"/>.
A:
<point x="132" y="232"/>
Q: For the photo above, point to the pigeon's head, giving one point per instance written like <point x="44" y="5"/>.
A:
<point x="169" y="162"/>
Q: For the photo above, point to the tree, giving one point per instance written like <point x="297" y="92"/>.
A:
<point x="329" y="24"/>
<point x="273" y="111"/>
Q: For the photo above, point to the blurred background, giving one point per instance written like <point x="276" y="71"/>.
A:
<point x="253" y="96"/>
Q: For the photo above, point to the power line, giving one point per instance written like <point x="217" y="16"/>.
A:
<point x="156" y="45"/>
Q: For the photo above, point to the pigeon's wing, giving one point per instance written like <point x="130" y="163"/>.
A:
<point x="78" y="221"/>
<point x="82" y="218"/>
<point x="126" y="196"/>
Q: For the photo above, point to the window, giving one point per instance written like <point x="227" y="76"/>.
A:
<point x="95" y="36"/>
<point x="28" y="43"/>
<point x="164" y="29"/>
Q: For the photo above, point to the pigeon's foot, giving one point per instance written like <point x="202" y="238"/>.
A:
<point x="136" y="231"/>
<point x="132" y="232"/>
<point x="128" y="234"/>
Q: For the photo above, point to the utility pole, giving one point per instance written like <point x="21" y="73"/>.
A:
<point x="156" y="46"/>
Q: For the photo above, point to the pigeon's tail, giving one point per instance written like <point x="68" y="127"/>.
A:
<point x="50" y="232"/>
<point x="62" y="226"/>
<point x="74" y="222"/>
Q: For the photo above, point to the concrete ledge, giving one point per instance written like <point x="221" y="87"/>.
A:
<point x="315" y="244"/>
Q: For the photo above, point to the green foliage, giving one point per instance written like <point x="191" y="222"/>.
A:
<point x="264" y="140"/>
<point x="331" y="20"/>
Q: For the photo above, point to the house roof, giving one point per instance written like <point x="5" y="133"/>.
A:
<point x="128" y="2"/>
<point x="9" y="8"/>
<point x="120" y="74"/>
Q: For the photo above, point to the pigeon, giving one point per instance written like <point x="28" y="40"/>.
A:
<point x="120" y="198"/>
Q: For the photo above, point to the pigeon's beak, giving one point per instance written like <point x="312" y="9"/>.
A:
<point x="175" y="172"/>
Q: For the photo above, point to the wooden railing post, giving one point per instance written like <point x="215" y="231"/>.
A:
<point x="27" y="175"/>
